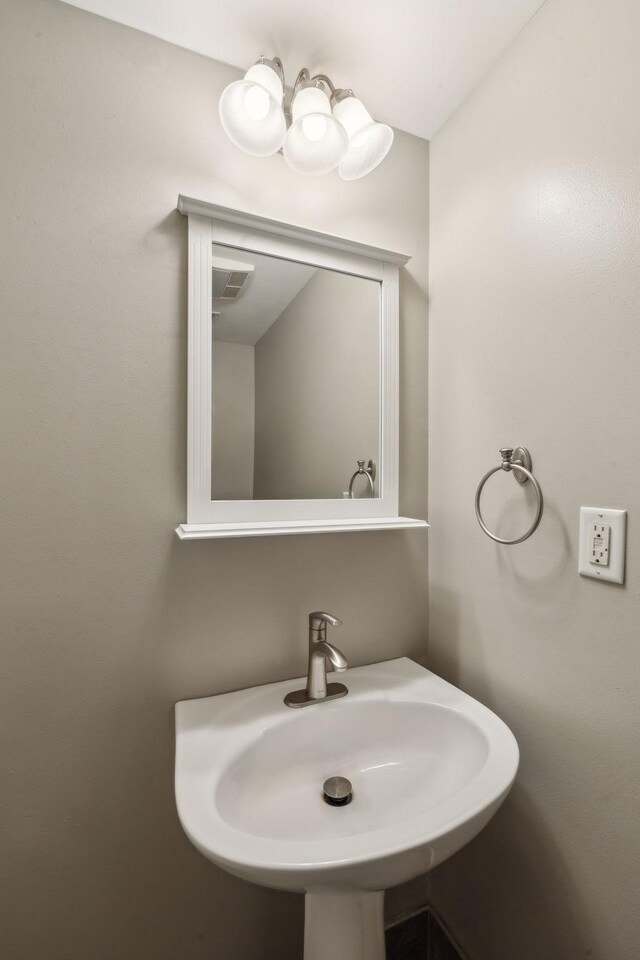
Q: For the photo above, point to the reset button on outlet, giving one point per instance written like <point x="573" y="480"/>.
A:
<point x="602" y="543"/>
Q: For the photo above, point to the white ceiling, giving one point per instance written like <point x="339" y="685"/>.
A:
<point x="412" y="62"/>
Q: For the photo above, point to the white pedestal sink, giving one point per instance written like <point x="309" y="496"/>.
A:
<point x="429" y="767"/>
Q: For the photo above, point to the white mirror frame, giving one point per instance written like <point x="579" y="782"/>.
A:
<point x="209" y="223"/>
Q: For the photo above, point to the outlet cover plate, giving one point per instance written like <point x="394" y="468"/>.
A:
<point x="617" y="522"/>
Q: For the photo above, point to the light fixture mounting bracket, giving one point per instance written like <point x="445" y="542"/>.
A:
<point x="275" y="63"/>
<point x="337" y="96"/>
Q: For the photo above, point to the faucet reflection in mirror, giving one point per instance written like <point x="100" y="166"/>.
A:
<point x="327" y="127"/>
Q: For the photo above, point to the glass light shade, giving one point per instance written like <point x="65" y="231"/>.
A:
<point x="316" y="141"/>
<point x="251" y="111"/>
<point x="369" y="142"/>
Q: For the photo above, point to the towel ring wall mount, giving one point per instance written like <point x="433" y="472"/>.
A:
<point x="518" y="462"/>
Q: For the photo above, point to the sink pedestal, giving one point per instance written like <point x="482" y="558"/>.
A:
<point x="345" y="924"/>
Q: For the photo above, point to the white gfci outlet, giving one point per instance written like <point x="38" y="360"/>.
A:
<point x="603" y="535"/>
<point x="598" y="545"/>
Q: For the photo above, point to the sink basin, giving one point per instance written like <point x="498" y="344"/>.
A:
<point x="428" y="765"/>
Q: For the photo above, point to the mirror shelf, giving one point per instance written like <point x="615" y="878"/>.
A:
<point x="295" y="310"/>
<point x="209" y="531"/>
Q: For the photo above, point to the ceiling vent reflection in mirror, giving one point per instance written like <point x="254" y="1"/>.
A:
<point x="229" y="278"/>
<point x="322" y="127"/>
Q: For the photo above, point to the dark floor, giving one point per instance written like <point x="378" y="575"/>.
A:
<point x="419" y="938"/>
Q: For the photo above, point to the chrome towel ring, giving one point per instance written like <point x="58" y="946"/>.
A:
<point x="517" y="461"/>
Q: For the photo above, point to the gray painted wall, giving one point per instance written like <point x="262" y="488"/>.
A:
<point x="318" y="390"/>
<point x="534" y="339"/>
<point x="107" y="618"/>
<point x="233" y="421"/>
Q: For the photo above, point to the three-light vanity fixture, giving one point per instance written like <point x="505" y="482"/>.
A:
<point x="324" y="127"/>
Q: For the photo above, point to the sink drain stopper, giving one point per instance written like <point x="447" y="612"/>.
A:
<point x="337" y="791"/>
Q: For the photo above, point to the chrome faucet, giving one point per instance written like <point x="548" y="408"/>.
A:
<point x="320" y="651"/>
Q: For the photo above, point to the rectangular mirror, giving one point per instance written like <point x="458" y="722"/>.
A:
<point x="296" y="379"/>
<point x="292" y="381"/>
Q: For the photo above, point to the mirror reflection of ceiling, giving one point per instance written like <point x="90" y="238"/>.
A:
<point x="266" y="292"/>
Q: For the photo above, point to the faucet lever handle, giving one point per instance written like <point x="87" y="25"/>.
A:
<point x="318" y="619"/>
